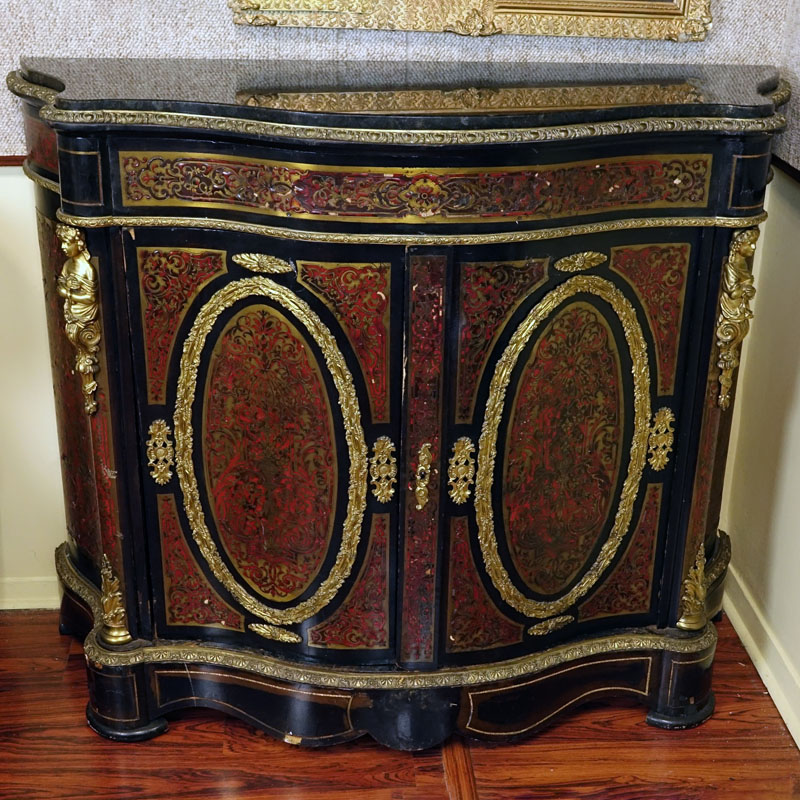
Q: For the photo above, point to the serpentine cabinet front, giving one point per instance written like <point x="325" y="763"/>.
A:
<point x="399" y="441"/>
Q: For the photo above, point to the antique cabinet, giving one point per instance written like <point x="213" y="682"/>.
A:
<point x="393" y="399"/>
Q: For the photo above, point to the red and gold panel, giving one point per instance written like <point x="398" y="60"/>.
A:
<point x="394" y="194"/>
<point x="42" y="144"/>
<point x="362" y="621"/>
<point x="425" y="356"/>
<point x="473" y="621"/>
<point x="562" y="455"/>
<point x="658" y="274"/>
<point x="359" y="296"/>
<point x="189" y="599"/>
<point x="629" y="588"/>
<point x="74" y="428"/>
<point x="269" y="452"/>
<point x="169" y="280"/>
<point x="489" y="294"/>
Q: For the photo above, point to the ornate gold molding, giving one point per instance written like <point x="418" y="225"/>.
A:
<point x="40" y="180"/>
<point x="77" y="284"/>
<point x="383" y="469"/>
<point x="461" y="470"/>
<point x="300" y="235"/>
<point x="275" y="633"/>
<point x="160" y="453"/>
<point x="719" y="560"/>
<point x="550" y="625"/>
<point x="693" y="601"/>
<point x="487" y="445"/>
<point x="578" y="262"/>
<point x="224" y="298"/>
<point x="679" y="20"/>
<point x="474" y="100"/>
<point x="662" y="435"/>
<point x="734" y="318"/>
<point x="114" y="630"/>
<point x="422" y="475"/>
<point x="260" y="262"/>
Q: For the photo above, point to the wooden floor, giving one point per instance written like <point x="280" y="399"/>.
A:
<point x="597" y="753"/>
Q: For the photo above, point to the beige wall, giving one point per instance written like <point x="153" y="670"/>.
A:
<point x="761" y="511"/>
<point x="31" y="499"/>
<point x="762" y="497"/>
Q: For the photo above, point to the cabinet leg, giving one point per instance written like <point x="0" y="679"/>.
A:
<point x="120" y="733"/>
<point x="684" y="698"/>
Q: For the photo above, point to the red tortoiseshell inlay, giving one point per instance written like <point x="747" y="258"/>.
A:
<point x="425" y="356"/>
<point x="170" y="280"/>
<point x="42" y="144"/>
<point x="658" y="273"/>
<point x="563" y="448"/>
<point x="358" y="295"/>
<point x="188" y="597"/>
<point x="629" y="588"/>
<point x="74" y="430"/>
<point x="309" y="191"/>
<point x="269" y="453"/>
<point x="490" y="293"/>
<point x="362" y="621"/>
<point x="473" y="621"/>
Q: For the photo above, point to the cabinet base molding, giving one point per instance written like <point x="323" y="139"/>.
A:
<point x="132" y="687"/>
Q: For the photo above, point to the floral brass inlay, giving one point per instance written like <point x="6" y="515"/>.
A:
<point x="160" y="453"/>
<point x="487" y="445"/>
<point x="223" y="299"/>
<point x="77" y="284"/>
<point x="693" y="602"/>
<point x="260" y="262"/>
<point x="422" y="476"/>
<point x="274" y="632"/>
<point x="461" y="471"/>
<point x="383" y="469"/>
<point x="550" y="625"/>
<point x="115" y="624"/>
<point x="734" y="308"/>
<point x="580" y="261"/>
<point x="662" y="436"/>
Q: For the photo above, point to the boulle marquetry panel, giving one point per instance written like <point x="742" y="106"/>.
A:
<point x="378" y="418"/>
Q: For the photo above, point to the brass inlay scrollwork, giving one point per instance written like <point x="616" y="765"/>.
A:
<point x="290" y="672"/>
<point x="115" y="625"/>
<point x="160" y="453"/>
<point x="550" y="625"/>
<point x="662" y="436"/>
<point x="720" y="559"/>
<point x="693" y="602"/>
<point x="194" y="345"/>
<point x="422" y="476"/>
<point x="274" y="632"/>
<point x="487" y="445"/>
<point x="77" y="284"/>
<point x="461" y="470"/>
<point x="383" y="469"/>
<point x="580" y="261"/>
<point x="260" y="262"/>
<point x="734" y="318"/>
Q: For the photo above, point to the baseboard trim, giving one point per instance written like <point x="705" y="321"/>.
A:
<point x="17" y="593"/>
<point x="773" y="663"/>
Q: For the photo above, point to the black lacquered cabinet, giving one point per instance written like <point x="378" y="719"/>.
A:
<point x="399" y="421"/>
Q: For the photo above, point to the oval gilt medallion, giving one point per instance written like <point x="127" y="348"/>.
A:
<point x="269" y="453"/>
<point x="562" y="455"/>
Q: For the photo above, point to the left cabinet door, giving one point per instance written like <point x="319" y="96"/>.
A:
<point x="268" y="395"/>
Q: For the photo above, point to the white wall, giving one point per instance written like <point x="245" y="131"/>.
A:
<point x="761" y="508"/>
<point x="31" y="500"/>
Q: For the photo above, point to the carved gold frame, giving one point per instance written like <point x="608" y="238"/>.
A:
<point x="676" y="20"/>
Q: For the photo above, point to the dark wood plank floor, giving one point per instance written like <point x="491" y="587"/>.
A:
<point x="597" y="753"/>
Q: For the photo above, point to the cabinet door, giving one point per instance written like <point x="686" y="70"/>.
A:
<point x="565" y="370"/>
<point x="268" y="390"/>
